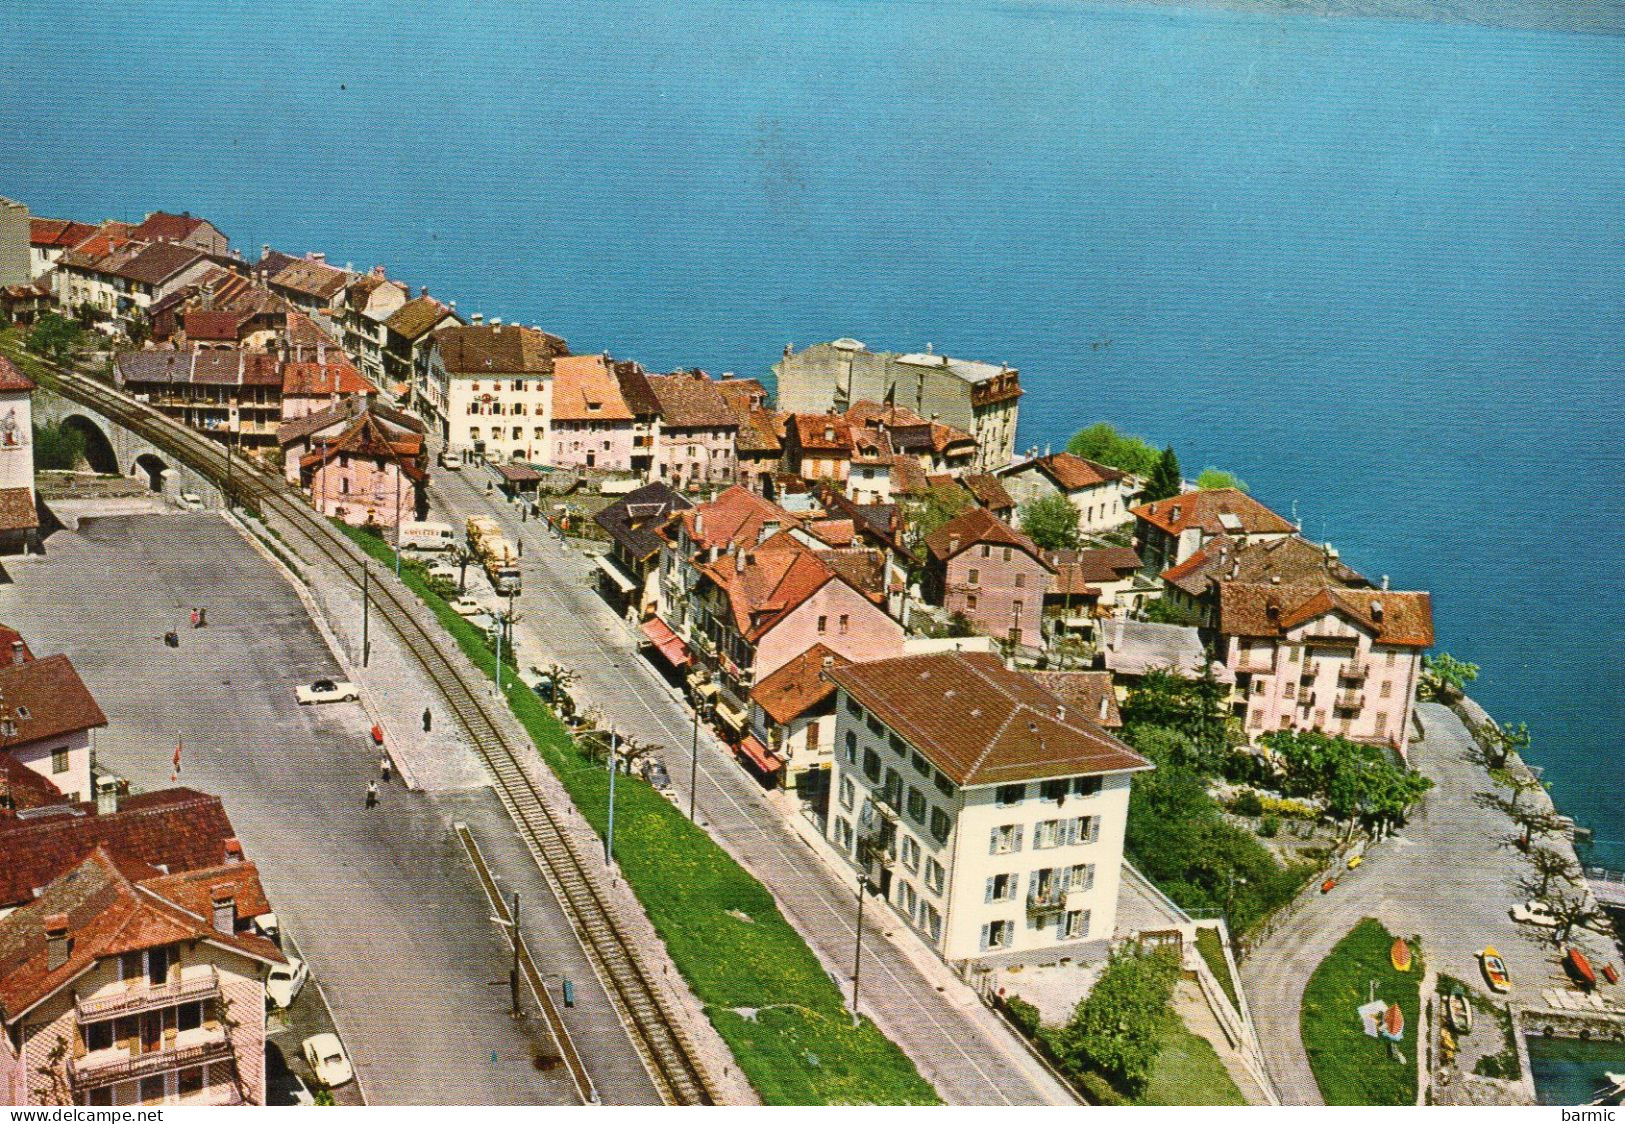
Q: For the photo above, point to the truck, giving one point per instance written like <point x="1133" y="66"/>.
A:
<point x="425" y="536"/>
<point x="495" y="553"/>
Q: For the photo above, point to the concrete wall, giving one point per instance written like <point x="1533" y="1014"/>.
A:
<point x="16" y="261"/>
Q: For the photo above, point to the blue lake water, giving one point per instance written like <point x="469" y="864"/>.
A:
<point x="1568" y="1071"/>
<point x="1374" y="267"/>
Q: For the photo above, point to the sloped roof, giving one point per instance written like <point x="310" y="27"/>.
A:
<point x="341" y="412"/>
<point x="635" y="389"/>
<point x="1089" y="691"/>
<point x="47" y="699"/>
<point x="1292" y="560"/>
<point x="157" y="263"/>
<point x="312" y="278"/>
<point x="417" y="317"/>
<point x="798" y="685"/>
<point x="1217" y="511"/>
<point x="980" y="723"/>
<point x="975" y="526"/>
<point x="330" y="374"/>
<point x="1070" y="473"/>
<point x="218" y="367"/>
<point x="63" y="233"/>
<point x="368" y="436"/>
<point x="212" y="324"/>
<point x="161" y="226"/>
<point x="12" y="377"/>
<point x="987" y="490"/>
<point x="17" y="510"/>
<point x="736" y="517"/>
<point x="8" y="638"/>
<point x="634" y="520"/>
<point x="21" y="788"/>
<point x="690" y="400"/>
<point x="775" y="578"/>
<point x="585" y="390"/>
<point x="1264" y="610"/>
<point x="1078" y="571"/>
<point x="498" y="349"/>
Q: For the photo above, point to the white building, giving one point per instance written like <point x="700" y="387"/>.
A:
<point x="48" y="720"/>
<point x="490" y="390"/>
<point x="987" y="815"/>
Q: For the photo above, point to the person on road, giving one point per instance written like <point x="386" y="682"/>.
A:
<point x="383" y="768"/>
<point x="428" y="720"/>
<point x="194" y="618"/>
<point x="203" y="618"/>
<point x="372" y="795"/>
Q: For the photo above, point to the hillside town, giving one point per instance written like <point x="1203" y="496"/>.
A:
<point x="1062" y="722"/>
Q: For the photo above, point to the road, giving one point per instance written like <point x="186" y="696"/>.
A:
<point x="1443" y="877"/>
<point x="382" y="902"/>
<point x="958" y="1045"/>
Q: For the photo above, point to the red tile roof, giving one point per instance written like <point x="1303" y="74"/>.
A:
<point x="799" y="685"/>
<point x="212" y="324"/>
<point x="1070" y="473"/>
<point x="764" y="585"/>
<point x="1218" y="511"/>
<point x="9" y="639"/>
<point x="1264" y="610"/>
<point x="47" y="699"/>
<point x="320" y="379"/>
<point x="21" y="788"/>
<point x="417" y="317"/>
<point x="12" y="379"/>
<point x="498" y="349"/>
<point x="821" y="433"/>
<point x="981" y="723"/>
<point x="690" y="400"/>
<point x="585" y="390"/>
<point x="62" y="233"/>
<point x="736" y="517"/>
<point x="987" y="490"/>
<point x="311" y="278"/>
<point x="160" y="226"/>
<point x="1090" y="691"/>
<point x="977" y="525"/>
<point x="1284" y="561"/>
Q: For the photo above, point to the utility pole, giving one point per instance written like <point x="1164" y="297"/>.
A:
<point x="498" y="693"/>
<point x="857" y="958"/>
<point x="397" y="522"/>
<point x="228" y="475"/>
<point x="609" y="834"/>
<point x="366" y="611"/>
<point x="513" y="973"/>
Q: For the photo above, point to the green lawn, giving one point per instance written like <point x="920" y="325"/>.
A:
<point x="1350" y="1067"/>
<point x="762" y="987"/>
<point x="1188" y="1072"/>
<point x="1209" y="944"/>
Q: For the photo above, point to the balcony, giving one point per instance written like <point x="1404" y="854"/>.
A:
<point x="1049" y="902"/>
<point x="1253" y="663"/>
<point x="1311" y="670"/>
<point x="184" y="989"/>
<point x="1306" y="700"/>
<point x="108" y="1067"/>
<point x="1349" y="700"/>
<point x="1352" y="673"/>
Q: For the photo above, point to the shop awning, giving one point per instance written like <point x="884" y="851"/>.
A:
<point x="736" y="720"/>
<point x="670" y="644"/>
<point x="613" y="571"/>
<point x="764" y="759"/>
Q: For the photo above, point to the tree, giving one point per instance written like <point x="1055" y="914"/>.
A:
<point x="1163" y="611"/>
<point x="58" y="448"/>
<point x="941" y="503"/>
<point x="1165" y="481"/>
<point x="462" y="555"/>
<point x="55" y="337"/>
<point x="1050" y="521"/>
<point x="1444" y="676"/>
<point x="1193" y="708"/>
<point x="1213" y="479"/>
<point x="1102" y="443"/>
<point x="1574" y="908"/>
<point x="1495" y="743"/>
<point x="1118" y="1027"/>
<point x="1357" y="781"/>
<point x="1550" y="865"/>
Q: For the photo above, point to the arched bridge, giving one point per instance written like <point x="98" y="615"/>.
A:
<point x="113" y="449"/>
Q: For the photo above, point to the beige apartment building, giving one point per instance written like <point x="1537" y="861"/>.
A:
<point x="489" y="390"/>
<point x="983" y="809"/>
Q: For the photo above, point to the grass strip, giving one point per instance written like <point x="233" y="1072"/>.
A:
<point x="761" y="986"/>
<point x="1188" y="1072"/>
<point x="1351" y="1067"/>
<point x="1209" y="945"/>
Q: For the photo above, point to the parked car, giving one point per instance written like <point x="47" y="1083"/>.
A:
<point x="326" y="691"/>
<point x="1534" y="912"/>
<point x="660" y="780"/>
<point x="443" y="570"/>
<point x="450" y="459"/>
<point x="466" y="606"/>
<point x="325" y="1055"/>
<point x="426" y="536"/>
<point x="286" y="981"/>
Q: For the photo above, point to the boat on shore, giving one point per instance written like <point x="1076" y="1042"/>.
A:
<point x="1579" y="966"/>
<point x="1400" y="955"/>
<point x="1461" y="1012"/>
<point x="1495" y="970"/>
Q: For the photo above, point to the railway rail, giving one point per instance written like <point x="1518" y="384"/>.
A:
<point x="665" y="1048"/>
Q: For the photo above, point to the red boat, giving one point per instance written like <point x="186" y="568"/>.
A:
<point x="1393" y="1022"/>
<point x="1610" y="973"/>
<point x="1580" y="968"/>
<point x="1400" y="955"/>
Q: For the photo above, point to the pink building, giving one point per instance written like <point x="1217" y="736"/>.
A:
<point x="592" y="423"/>
<point x="359" y="461"/>
<point x="314" y="379"/>
<point x="694" y="443"/>
<point x="1343" y="661"/>
<point x="993" y="575"/>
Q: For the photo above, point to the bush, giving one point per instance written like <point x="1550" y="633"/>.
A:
<point x="1023" y="1014"/>
<point x="1247" y="803"/>
<point x="1288" y="809"/>
<point x="1269" y="827"/>
<point x="1118" y="1028"/>
<point x="58" y="448"/>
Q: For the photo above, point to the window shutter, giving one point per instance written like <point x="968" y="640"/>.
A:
<point x="1060" y="926"/>
<point x="1094" y="829"/>
<point x="1016" y="844"/>
<point x="987" y="899"/>
<point x="1089" y="877"/>
<point x="986" y="931"/>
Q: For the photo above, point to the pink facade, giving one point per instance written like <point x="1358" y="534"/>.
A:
<point x="837" y="616"/>
<point x="362" y="489"/>
<point x="1000" y="590"/>
<point x="603" y="445"/>
<point x="685" y="457"/>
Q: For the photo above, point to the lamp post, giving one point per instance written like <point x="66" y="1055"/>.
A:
<point x="609" y="833"/>
<point x="366" y="611"/>
<point x="857" y="957"/>
<point x="397" y="522"/>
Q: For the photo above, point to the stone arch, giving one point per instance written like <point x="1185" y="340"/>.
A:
<point x="154" y="467"/>
<point x="99" y="452"/>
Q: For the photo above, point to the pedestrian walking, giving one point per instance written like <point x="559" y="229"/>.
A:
<point x="203" y="618"/>
<point x="372" y="795"/>
<point x="428" y="720"/>
<point x="194" y="618"/>
<point x="383" y="767"/>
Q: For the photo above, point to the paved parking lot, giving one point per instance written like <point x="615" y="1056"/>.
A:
<point x="382" y="902"/>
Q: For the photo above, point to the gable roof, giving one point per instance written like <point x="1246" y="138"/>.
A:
<point x="980" y="723"/>
<point x="635" y="389"/>
<point x="634" y="520"/>
<point x="12" y="377"/>
<point x="1262" y="610"/>
<point x="798" y="685"/>
<point x="1079" y="571"/>
<point x="1292" y="560"/>
<point x="367" y="435"/>
<point x="821" y="433"/>
<point x="1070" y="473"/>
<point x="157" y="263"/>
<point x="328" y="374"/>
<point x="987" y="491"/>
<point x="975" y="526"/>
<point x="1090" y="691"/>
<point x="106" y="914"/>
<point x="767" y="584"/>
<point x="498" y="349"/>
<point x="737" y="517"/>
<point x="61" y="233"/>
<point x="1216" y="511"/>
<point x="21" y="788"/>
<point x="341" y="412"/>
<point x="585" y="389"/>
<point x="47" y="699"/>
<point x="690" y="400"/>
<point x="311" y="278"/>
<point x="212" y="324"/>
<point x="417" y="317"/>
<point x="161" y="226"/>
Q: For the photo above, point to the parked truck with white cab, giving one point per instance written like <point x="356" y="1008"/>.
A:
<point x="496" y="554"/>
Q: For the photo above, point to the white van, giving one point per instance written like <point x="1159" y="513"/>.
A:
<point x="426" y="536"/>
<point x="451" y="459"/>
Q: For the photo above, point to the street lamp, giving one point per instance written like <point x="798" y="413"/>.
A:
<point x="513" y="937"/>
<point x="694" y="763"/>
<point x="609" y="833"/>
<point x="857" y="957"/>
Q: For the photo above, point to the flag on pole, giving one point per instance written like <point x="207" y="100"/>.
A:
<point x="175" y="776"/>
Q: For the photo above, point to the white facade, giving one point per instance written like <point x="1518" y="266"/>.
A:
<point x="65" y="762"/>
<point x="982" y="870"/>
<point x="499" y="417"/>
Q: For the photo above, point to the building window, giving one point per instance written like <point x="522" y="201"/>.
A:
<point x="1007" y="554"/>
<point x="1291" y="690"/>
<point x="1000" y="888"/>
<point x="189" y="1083"/>
<point x="921" y="765"/>
<point x="874" y="724"/>
<point x="1087" y="786"/>
<point x="1021" y="581"/>
<point x="1054" y="790"/>
<point x="871" y="764"/>
<point x="944" y="785"/>
<point x="987" y="551"/>
<point x="851" y="748"/>
<point x="916" y="805"/>
<point x="853" y="708"/>
<point x="99" y="1036"/>
<point x="1009" y="794"/>
<point x="1382" y="725"/>
<point x="1074" y="925"/>
<point x="1080" y="877"/>
<point x="823" y="625"/>
<point x="940" y="825"/>
<point x="848" y="792"/>
<point x="1292" y="655"/>
<point x="158" y="961"/>
<point x="1046" y="833"/>
<point x="911" y="852"/>
<point x="997" y="934"/>
<point x="189" y="1016"/>
<point x="892" y="792"/>
<point x="840" y="625"/>
<point x="1386" y="691"/>
<point x="1004" y="839"/>
<point x="843" y="834"/>
<point x="541" y="433"/>
<point x="909" y="900"/>
<point x="1389" y="660"/>
<point x="898" y="746"/>
<point x="59" y="759"/>
<point x="1286" y="720"/>
<point x="974" y="577"/>
<point x="934" y="875"/>
<point x="970" y="602"/>
<point x="932" y="921"/>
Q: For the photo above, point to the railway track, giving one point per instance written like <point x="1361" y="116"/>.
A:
<point x="667" y="1052"/>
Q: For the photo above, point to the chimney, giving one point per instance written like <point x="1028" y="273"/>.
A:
<point x="56" y="941"/>
<point x="1376" y="610"/>
<point x="1060" y="713"/>
<point x="1385" y="583"/>
<point x="477" y="319"/>
<point x="829" y="662"/>
<point x="1175" y="515"/>
<point x="770" y="527"/>
<point x="449" y="304"/>
<point x="106" y="795"/>
<point x="423" y="290"/>
<point x="1105" y="707"/>
<point x="265" y="249"/>
<point x="739" y="561"/>
<point x="699" y="523"/>
<point x="234" y="851"/>
<point x="19" y="650"/>
<point x="496" y="323"/>
<point x="223" y="897"/>
<point x="318" y="256"/>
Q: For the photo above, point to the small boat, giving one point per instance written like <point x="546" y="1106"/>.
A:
<point x="1580" y="968"/>
<point x="1495" y="970"/>
<point x="1393" y="1022"/>
<point x="1610" y="973"/>
<point x="1461" y="1013"/>
<point x="1400" y="955"/>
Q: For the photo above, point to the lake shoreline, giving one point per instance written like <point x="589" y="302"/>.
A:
<point x="1606" y="19"/>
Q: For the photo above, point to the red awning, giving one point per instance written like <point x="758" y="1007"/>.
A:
<point x="670" y="644"/>
<point x="765" y="759"/>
